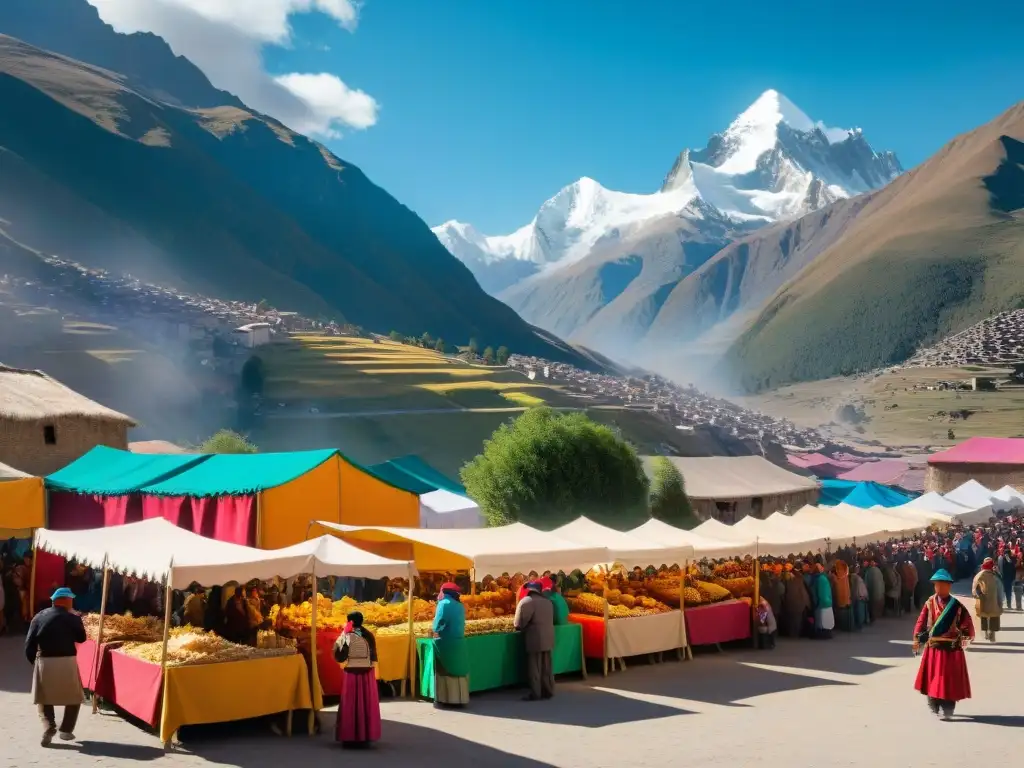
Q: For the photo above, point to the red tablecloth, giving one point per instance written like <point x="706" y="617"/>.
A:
<point x="327" y="669"/>
<point x="132" y="685"/>
<point x="593" y="634"/>
<point x="718" y="623"/>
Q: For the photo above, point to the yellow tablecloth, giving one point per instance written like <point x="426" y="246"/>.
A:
<point x="392" y="657"/>
<point x="236" y="690"/>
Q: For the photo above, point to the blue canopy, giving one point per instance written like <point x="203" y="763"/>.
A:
<point x="859" y="494"/>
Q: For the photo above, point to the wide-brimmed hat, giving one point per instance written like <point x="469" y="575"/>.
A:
<point x="62" y="594"/>
<point x="942" y="575"/>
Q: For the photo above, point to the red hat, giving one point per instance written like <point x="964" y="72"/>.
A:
<point x="546" y="584"/>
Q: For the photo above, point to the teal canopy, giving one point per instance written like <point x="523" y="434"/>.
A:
<point x="860" y="494"/>
<point x="107" y="471"/>
<point x="413" y="474"/>
<point x="239" y="474"/>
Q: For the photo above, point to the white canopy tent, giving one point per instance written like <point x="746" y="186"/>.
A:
<point x="934" y="502"/>
<point x="971" y="494"/>
<point x="1007" y="499"/>
<point x="624" y="548"/>
<point x="780" y="535"/>
<point x="911" y="513"/>
<point x="848" y="524"/>
<point x="506" y="548"/>
<point x="157" y="548"/>
<point x="444" y="509"/>
<point x="664" y="534"/>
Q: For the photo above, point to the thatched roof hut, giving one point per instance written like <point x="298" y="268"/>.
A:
<point x="45" y="425"/>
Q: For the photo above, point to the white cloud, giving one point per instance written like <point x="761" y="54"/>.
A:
<point x="331" y="100"/>
<point x="224" y="38"/>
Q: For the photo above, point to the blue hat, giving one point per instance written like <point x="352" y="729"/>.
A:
<point x="62" y="593"/>
<point x="942" y="575"/>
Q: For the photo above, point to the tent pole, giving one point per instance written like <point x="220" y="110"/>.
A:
<point x="684" y="652"/>
<point x="99" y="635"/>
<point x="32" y="582"/>
<point x="472" y="581"/>
<point x="314" y="650"/>
<point x="757" y="595"/>
<point x="167" y="636"/>
<point x="604" y="652"/>
<point x="412" y="632"/>
<point x="259" y="519"/>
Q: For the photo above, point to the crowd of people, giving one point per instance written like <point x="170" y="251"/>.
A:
<point x="814" y="595"/>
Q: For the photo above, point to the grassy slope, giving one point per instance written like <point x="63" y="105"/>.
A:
<point x="227" y="202"/>
<point x="938" y="249"/>
<point x="360" y="379"/>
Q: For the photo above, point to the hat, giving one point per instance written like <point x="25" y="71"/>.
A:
<point x="62" y="594"/>
<point x="546" y="584"/>
<point x="942" y="575"/>
<point x="533" y="586"/>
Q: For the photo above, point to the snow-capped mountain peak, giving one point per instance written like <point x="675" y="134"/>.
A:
<point x="772" y="162"/>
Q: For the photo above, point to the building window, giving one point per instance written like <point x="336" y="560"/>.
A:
<point x="757" y="507"/>
<point x="50" y="434"/>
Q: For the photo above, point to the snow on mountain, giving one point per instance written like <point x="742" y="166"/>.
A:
<point x="772" y="163"/>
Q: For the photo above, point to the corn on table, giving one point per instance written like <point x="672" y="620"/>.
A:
<point x="497" y="660"/>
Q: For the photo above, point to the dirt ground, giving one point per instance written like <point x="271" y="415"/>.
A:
<point x="896" y="409"/>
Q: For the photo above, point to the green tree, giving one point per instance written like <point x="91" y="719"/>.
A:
<point x="395" y="336"/>
<point x="489" y="355"/>
<point x="546" y="469"/>
<point x="668" y="495"/>
<point x="227" y="441"/>
<point x="502" y="355"/>
<point x="426" y="341"/>
<point x="439" y="345"/>
<point x="474" y="346"/>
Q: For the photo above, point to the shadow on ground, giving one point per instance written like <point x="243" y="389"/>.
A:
<point x="401" y="746"/>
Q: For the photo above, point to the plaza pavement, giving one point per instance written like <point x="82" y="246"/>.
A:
<point x="844" y="702"/>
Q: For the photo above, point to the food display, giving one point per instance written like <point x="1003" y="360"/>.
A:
<point x="621" y="605"/>
<point x="188" y="646"/>
<point x="490" y="604"/>
<point x="736" y="577"/>
<point x="268" y="638"/>
<point x="492" y="626"/>
<point x="117" y="628"/>
<point x="332" y="614"/>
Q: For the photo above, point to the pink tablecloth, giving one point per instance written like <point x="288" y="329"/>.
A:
<point x="718" y="623"/>
<point x="132" y="685"/>
<point x="86" y="653"/>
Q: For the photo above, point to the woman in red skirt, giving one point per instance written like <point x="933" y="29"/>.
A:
<point x="359" y="710"/>
<point x="943" y="629"/>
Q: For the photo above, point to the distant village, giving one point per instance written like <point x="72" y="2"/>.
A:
<point x="685" y="407"/>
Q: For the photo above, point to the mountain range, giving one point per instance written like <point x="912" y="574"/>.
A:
<point x="783" y="251"/>
<point x="118" y="154"/>
<point x="601" y="266"/>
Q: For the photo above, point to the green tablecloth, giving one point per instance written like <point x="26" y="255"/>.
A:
<point x="497" y="661"/>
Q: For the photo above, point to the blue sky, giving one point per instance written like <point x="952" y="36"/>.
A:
<point x="488" y="107"/>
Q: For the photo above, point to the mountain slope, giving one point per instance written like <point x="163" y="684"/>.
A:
<point x="598" y="265"/>
<point x="938" y="249"/>
<point x="223" y="200"/>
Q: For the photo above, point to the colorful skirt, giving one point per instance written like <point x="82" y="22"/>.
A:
<point x="359" y="710"/>
<point x="943" y="674"/>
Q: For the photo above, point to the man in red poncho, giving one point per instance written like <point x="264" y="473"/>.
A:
<point x="942" y="630"/>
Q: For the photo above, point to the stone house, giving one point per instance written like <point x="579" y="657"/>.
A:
<point x="45" y="425"/>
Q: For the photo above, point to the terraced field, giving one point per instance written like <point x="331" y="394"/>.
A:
<point x="351" y="374"/>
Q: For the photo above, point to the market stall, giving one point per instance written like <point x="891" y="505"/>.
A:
<point x="484" y="553"/>
<point x="719" y="588"/>
<point x="194" y="676"/>
<point x="641" y="624"/>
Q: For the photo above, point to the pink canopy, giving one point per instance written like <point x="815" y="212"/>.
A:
<point x="983" y="450"/>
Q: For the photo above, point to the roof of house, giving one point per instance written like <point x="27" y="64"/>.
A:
<point x="983" y="450"/>
<point x="33" y="396"/>
<point x="737" y="477"/>
<point x="155" y="446"/>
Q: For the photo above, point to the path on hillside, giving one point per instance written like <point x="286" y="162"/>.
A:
<point x="848" y="701"/>
<point x="295" y="414"/>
